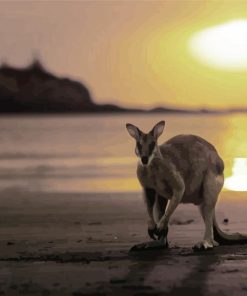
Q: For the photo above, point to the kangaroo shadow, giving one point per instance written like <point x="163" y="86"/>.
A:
<point x="196" y="281"/>
<point x="143" y="264"/>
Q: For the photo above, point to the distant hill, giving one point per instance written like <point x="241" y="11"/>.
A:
<point x="34" y="90"/>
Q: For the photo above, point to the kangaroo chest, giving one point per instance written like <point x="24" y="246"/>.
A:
<point x="153" y="176"/>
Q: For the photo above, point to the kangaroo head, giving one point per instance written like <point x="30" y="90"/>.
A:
<point x="146" y="144"/>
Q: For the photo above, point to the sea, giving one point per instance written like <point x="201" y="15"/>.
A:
<point x="94" y="153"/>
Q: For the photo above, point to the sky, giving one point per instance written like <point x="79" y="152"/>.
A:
<point x="131" y="53"/>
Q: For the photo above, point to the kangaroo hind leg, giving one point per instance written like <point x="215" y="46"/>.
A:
<point x="212" y="186"/>
<point x="149" y="197"/>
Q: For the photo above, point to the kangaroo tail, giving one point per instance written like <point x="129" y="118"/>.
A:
<point x="227" y="239"/>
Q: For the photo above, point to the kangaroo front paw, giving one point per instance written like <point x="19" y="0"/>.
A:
<point x="152" y="232"/>
<point x="162" y="233"/>
<point x="203" y="246"/>
<point x="162" y="230"/>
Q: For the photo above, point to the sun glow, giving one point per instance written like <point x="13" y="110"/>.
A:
<point x="238" y="180"/>
<point x="223" y="46"/>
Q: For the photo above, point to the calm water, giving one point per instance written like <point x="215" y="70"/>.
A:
<point x="95" y="153"/>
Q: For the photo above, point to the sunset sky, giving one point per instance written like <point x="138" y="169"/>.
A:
<point x="133" y="53"/>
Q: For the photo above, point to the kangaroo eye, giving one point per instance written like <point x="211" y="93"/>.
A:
<point x="151" y="147"/>
<point x="139" y="147"/>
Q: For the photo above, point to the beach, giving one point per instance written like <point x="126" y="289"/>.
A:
<point x="78" y="244"/>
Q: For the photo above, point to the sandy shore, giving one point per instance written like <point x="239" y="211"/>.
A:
<point x="77" y="244"/>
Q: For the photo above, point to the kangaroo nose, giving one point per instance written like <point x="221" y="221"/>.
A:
<point x="144" y="159"/>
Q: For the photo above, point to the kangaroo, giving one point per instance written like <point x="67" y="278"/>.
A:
<point x="184" y="169"/>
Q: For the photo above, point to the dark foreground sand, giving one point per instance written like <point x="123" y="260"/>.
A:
<point x="77" y="244"/>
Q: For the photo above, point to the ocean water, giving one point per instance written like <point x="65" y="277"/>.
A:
<point x="89" y="153"/>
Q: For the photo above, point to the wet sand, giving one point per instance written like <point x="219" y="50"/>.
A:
<point x="78" y="244"/>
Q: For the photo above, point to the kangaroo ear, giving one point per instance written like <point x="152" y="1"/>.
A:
<point x="158" y="129"/>
<point x="133" y="131"/>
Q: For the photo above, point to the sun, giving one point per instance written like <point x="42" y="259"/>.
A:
<point x="223" y="46"/>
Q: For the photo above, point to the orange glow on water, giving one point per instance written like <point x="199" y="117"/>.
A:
<point x="238" y="180"/>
